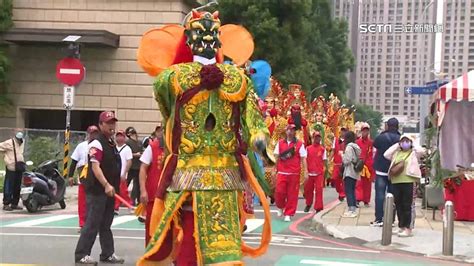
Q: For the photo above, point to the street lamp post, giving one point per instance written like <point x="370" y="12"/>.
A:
<point x="324" y="85"/>
<point x="423" y="98"/>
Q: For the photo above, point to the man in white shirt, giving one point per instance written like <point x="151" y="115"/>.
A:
<point x="126" y="157"/>
<point x="78" y="161"/>
<point x="291" y="154"/>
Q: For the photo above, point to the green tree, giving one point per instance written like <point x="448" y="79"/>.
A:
<point x="5" y="23"/>
<point x="299" y="39"/>
<point x="367" y="114"/>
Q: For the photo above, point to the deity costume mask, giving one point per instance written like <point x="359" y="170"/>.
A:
<point x="212" y="120"/>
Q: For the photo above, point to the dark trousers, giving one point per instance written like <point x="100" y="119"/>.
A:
<point x="11" y="188"/>
<point x="349" y="188"/>
<point x="100" y="215"/>
<point x="403" y="195"/>
<point x="382" y="186"/>
<point x="133" y="176"/>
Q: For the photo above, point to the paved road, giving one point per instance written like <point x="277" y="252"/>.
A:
<point x="50" y="237"/>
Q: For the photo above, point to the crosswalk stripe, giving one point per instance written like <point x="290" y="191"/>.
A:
<point x="332" y="263"/>
<point x="123" y="219"/>
<point x="253" y="224"/>
<point x="41" y="221"/>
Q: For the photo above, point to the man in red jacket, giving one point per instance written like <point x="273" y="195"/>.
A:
<point x="150" y="172"/>
<point x="291" y="154"/>
<point x="364" y="184"/>
<point x="336" y="172"/>
<point x="315" y="183"/>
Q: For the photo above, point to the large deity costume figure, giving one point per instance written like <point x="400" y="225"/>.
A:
<point x="212" y="118"/>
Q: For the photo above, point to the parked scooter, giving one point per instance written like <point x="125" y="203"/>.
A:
<point x="43" y="186"/>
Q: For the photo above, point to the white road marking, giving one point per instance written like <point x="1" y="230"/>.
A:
<point x="318" y="247"/>
<point x="72" y="236"/>
<point x="123" y="219"/>
<point x="253" y="224"/>
<point x="69" y="71"/>
<point x="41" y="221"/>
<point x="141" y="238"/>
<point x="332" y="263"/>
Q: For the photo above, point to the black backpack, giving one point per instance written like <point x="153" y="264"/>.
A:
<point x="358" y="164"/>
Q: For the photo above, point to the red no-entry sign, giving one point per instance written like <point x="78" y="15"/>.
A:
<point x="70" y="71"/>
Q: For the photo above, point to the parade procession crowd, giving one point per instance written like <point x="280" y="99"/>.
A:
<point x="225" y="143"/>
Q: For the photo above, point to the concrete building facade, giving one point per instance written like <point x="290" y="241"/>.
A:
<point x="113" y="80"/>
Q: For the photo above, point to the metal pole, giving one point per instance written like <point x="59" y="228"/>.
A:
<point x="66" y="142"/>
<point x="448" y="229"/>
<point x="387" y="220"/>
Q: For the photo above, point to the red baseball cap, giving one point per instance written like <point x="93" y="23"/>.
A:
<point x="107" y="116"/>
<point x="92" y="129"/>
<point x="120" y="132"/>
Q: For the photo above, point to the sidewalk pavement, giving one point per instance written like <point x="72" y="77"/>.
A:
<point x="427" y="236"/>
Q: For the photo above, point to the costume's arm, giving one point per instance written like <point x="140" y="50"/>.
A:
<point x="163" y="92"/>
<point x="255" y="130"/>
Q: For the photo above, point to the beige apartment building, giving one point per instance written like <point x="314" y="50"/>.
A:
<point x="111" y="32"/>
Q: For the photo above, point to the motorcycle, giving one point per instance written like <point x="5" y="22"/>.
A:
<point x="43" y="186"/>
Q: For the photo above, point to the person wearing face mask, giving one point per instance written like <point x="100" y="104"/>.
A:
<point x="404" y="172"/>
<point x="14" y="162"/>
<point x="313" y="188"/>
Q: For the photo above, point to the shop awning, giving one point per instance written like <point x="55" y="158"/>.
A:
<point x="460" y="89"/>
<point x="101" y="38"/>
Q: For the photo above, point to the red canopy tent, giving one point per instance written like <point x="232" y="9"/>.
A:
<point x="455" y="119"/>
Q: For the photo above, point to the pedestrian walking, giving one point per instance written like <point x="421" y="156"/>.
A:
<point x="133" y="173"/>
<point x="381" y="165"/>
<point x="337" y="177"/>
<point x="291" y="154"/>
<point x="313" y="189"/>
<point x="12" y="150"/>
<point x="364" y="184"/>
<point x="349" y="159"/>
<point x="404" y="172"/>
<point x="102" y="180"/>
<point x="78" y="161"/>
<point x="126" y="159"/>
<point x="150" y="172"/>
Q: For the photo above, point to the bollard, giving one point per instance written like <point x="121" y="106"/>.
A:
<point x="387" y="220"/>
<point x="448" y="229"/>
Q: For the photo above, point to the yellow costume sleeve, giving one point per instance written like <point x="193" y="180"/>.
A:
<point x="163" y="92"/>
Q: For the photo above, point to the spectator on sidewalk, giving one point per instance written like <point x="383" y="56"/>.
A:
<point x="150" y="172"/>
<point x="137" y="149"/>
<point x="337" y="177"/>
<point x="364" y="184"/>
<point x="158" y="133"/>
<point x="78" y="161"/>
<point x="315" y="183"/>
<point x="291" y="154"/>
<point x="126" y="159"/>
<point x="381" y="165"/>
<point x="12" y="150"/>
<point x="102" y="180"/>
<point x="406" y="156"/>
<point x="349" y="158"/>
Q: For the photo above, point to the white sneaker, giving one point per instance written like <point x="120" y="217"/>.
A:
<point x="405" y="233"/>
<point x="279" y="212"/>
<point x="287" y="218"/>
<point x="396" y="231"/>
<point x="349" y="214"/>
